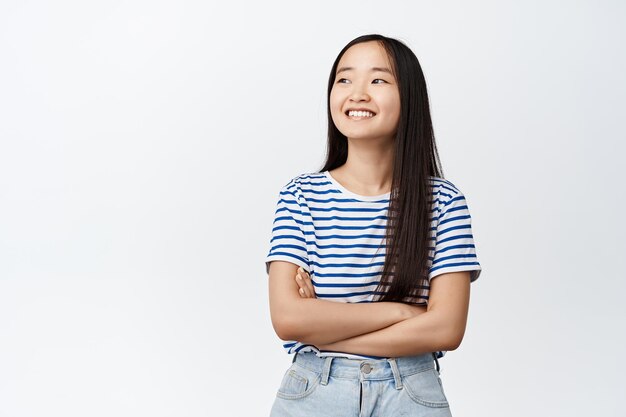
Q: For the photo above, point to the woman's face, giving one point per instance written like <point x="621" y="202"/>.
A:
<point x="364" y="81"/>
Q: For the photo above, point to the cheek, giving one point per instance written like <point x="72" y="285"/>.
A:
<point x="393" y="106"/>
<point x="335" y="106"/>
<point x="333" y="98"/>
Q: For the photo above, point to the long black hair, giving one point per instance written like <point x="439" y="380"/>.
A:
<point x="407" y="237"/>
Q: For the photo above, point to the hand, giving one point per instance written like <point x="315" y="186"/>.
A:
<point x="303" y="279"/>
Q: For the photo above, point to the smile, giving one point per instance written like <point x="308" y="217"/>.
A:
<point x="359" y="115"/>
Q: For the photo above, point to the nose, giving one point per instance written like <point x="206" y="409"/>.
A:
<point x="359" y="97"/>
<point x="359" y="93"/>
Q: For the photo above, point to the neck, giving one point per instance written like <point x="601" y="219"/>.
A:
<point x="369" y="167"/>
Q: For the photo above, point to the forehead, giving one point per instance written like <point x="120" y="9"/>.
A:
<point x="365" y="55"/>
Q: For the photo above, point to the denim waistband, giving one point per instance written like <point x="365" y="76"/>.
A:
<point x="366" y="369"/>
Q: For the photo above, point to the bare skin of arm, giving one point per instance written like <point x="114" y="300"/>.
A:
<point x="441" y="327"/>
<point x="315" y="321"/>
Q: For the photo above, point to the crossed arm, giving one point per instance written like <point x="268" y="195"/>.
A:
<point x="381" y="328"/>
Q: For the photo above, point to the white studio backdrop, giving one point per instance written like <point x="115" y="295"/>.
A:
<point x="143" y="145"/>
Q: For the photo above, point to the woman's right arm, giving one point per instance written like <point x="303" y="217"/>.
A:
<point x="312" y="320"/>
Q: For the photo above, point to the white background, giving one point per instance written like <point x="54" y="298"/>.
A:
<point x="143" y="145"/>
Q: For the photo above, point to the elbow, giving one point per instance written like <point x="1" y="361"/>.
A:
<point x="281" y="328"/>
<point x="286" y="329"/>
<point x="446" y="334"/>
<point x="290" y="323"/>
<point x="283" y="316"/>
<point x="452" y="339"/>
<point x="452" y="344"/>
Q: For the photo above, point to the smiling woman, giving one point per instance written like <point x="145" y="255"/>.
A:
<point x="371" y="258"/>
<point x="367" y="91"/>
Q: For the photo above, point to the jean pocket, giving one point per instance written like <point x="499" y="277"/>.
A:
<point x="298" y="382"/>
<point x="425" y="388"/>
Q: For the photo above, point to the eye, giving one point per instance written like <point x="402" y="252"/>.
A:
<point x="340" y="81"/>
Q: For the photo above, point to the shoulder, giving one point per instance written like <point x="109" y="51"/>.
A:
<point x="302" y="183"/>
<point x="445" y="192"/>
<point x="444" y="185"/>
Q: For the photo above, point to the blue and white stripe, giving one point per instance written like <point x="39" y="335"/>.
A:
<point x="339" y="237"/>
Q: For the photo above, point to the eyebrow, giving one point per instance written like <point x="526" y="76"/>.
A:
<point x="373" y="69"/>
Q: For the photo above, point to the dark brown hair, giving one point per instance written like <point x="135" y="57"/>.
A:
<point x="408" y="234"/>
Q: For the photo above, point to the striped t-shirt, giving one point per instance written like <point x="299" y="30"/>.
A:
<point x="338" y="237"/>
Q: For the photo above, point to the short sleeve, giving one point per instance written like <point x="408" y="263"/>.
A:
<point x="454" y="248"/>
<point x="287" y="241"/>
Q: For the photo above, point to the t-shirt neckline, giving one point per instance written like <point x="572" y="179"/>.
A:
<point x="354" y="195"/>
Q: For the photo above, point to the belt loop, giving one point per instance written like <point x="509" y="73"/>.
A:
<point x="396" y="372"/>
<point x="326" y="370"/>
<point x="437" y="362"/>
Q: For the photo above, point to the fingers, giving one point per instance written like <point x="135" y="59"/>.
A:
<point x="310" y="290"/>
<point x="303" y="288"/>
<point x="305" y="284"/>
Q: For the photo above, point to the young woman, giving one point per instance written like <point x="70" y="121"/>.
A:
<point x="356" y="248"/>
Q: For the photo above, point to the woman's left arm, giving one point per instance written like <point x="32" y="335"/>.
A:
<point x="440" y="328"/>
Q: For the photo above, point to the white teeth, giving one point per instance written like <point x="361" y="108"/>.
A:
<point x="355" y="113"/>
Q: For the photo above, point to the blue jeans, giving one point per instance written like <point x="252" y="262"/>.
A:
<point x="342" y="387"/>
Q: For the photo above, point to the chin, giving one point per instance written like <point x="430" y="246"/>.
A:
<point x="357" y="136"/>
